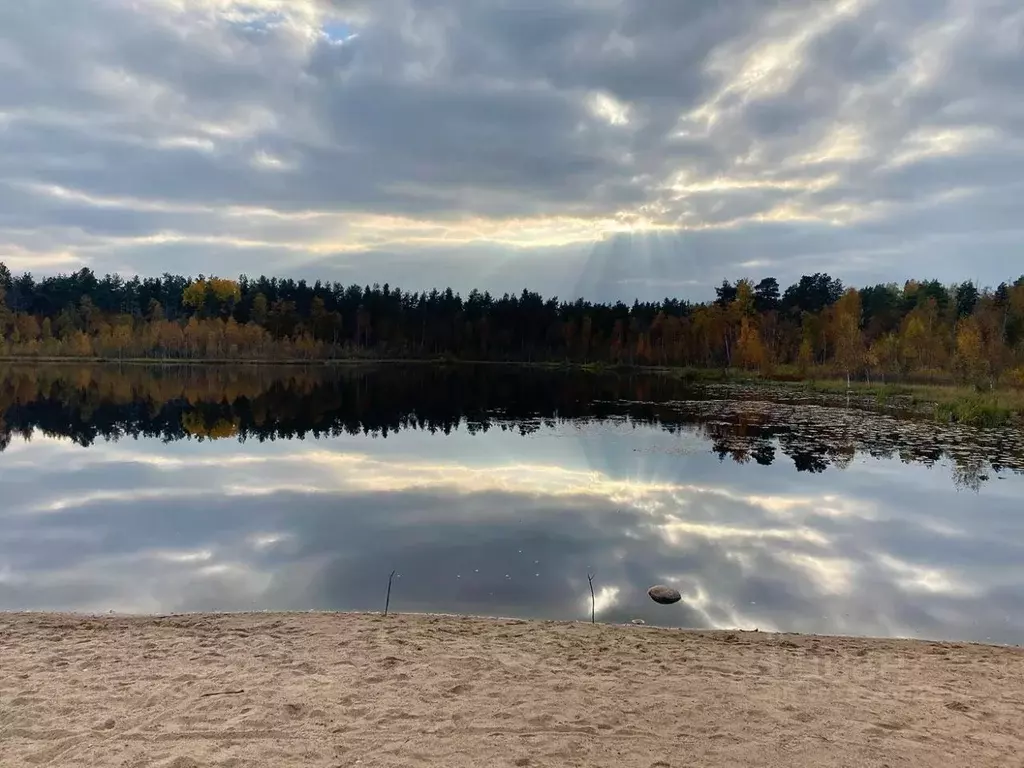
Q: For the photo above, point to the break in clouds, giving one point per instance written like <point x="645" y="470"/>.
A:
<point x="607" y="148"/>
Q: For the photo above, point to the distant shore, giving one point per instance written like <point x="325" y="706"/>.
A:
<point x="326" y="690"/>
<point x="944" y="400"/>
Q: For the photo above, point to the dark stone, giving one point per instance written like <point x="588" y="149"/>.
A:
<point x="664" y="595"/>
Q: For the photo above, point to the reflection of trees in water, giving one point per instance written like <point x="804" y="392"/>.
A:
<point x="819" y="438"/>
<point x="261" y="403"/>
<point x="971" y="472"/>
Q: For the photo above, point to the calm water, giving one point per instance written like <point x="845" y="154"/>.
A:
<point x="495" y="491"/>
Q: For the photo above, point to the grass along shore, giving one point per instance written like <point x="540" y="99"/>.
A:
<point x="323" y="690"/>
<point x="954" y="403"/>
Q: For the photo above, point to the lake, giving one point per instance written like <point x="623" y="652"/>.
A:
<point x="496" y="490"/>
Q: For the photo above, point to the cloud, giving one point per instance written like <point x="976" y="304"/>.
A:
<point x="495" y="525"/>
<point x="609" y="147"/>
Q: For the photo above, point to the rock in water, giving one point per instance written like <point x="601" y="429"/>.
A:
<point x="664" y="595"/>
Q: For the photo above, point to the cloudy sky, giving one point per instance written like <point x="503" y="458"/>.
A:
<point x="499" y="524"/>
<point x="600" y="147"/>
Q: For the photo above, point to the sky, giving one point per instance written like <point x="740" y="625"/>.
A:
<point x="603" y="148"/>
<point x="500" y="524"/>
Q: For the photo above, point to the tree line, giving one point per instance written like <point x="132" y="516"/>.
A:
<point x="90" y="403"/>
<point x="921" y="329"/>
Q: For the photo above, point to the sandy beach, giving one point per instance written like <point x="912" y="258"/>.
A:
<point x="317" y="689"/>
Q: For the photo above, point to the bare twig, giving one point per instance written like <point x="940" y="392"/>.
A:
<point x="222" y="693"/>
<point x="387" y="601"/>
<point x="593" y="600"/>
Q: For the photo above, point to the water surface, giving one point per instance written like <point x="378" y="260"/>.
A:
<point x="495" y="491"/>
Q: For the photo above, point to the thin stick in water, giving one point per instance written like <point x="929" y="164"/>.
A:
<point x="593" y="601"/>
<point x="387" y="601"/>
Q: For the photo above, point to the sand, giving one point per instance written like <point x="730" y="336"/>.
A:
<point x="317" y="689"/>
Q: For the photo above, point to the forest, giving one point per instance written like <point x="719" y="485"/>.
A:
<point x="921" y="330"/>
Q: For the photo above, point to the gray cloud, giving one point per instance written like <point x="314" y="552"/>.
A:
<point x="496" y="144"/>
<point x="159" y="527"/>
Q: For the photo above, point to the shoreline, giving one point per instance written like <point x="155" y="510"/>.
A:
<point x="823" y="376"/>
<point x="944" y="399"/>
<point x="298" y="614"/>
<point x="327" y="689"/>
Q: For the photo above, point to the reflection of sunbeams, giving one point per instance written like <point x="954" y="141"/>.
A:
<point x="163" y="527"/>
<point x="676" y="530"/>
<point x="175" y="556"/>
<point x="671" y="507"/>
<point x="918" y="578"/>
<point x="264" y="541"/>
<point x="80" y="499"/>
<point x="604" y="599"/>
<point x="831" y="575"/>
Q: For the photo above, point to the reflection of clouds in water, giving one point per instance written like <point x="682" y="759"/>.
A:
<point x="320" y="470"/>
<point x="489" y="525"/>
<point x="605" y="598"/>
